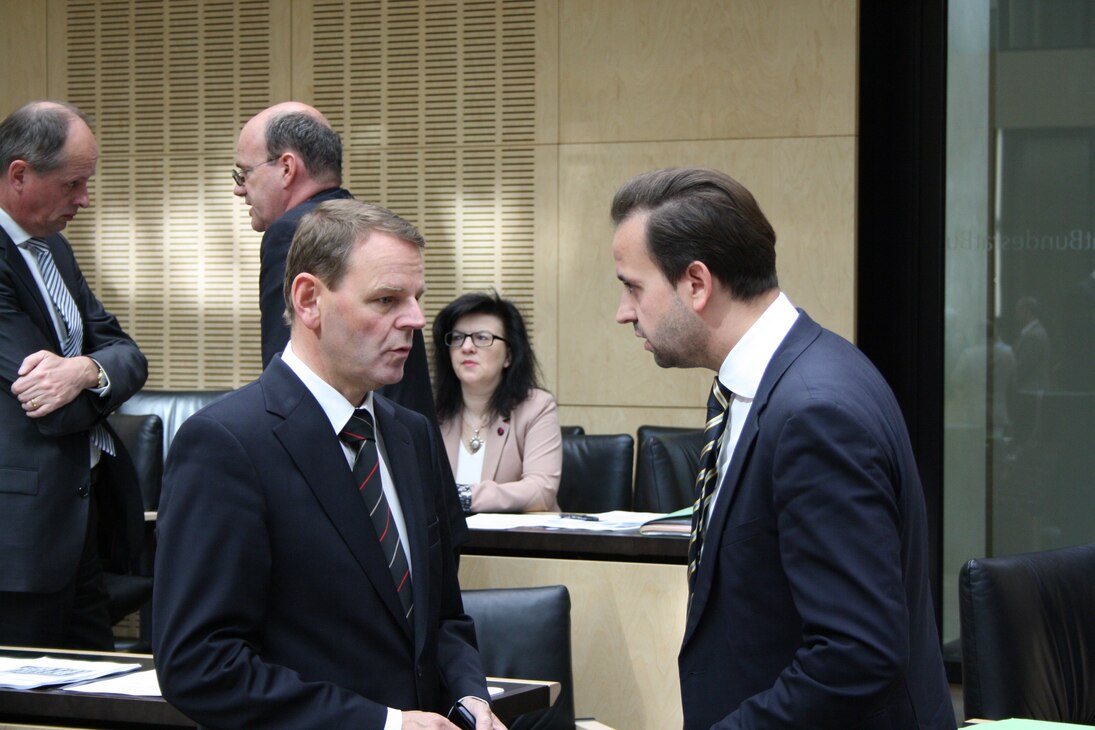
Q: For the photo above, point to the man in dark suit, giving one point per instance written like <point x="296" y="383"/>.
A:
<point x="290" y="161"/>
<point x="275" y="603"/>
<point x="809" y="600"/>
<point x="65" y="364"/>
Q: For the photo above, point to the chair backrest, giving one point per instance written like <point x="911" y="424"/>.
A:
<point x="596" y="472"/>
<point x="1028" y="636"/>
<point x="666" y="468"/>
<point x="524" y="633"/>
<point x="172" y="406"/>
<point x="143" y="439"/>
<point x="646" y="431"/>
<point x="572" y="430"/>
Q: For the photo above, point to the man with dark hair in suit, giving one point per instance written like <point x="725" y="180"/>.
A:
<point x="65" y="364"/>
<point x="809" y="601"/>
<point x="305" y="571"/>
<point x="290" y="161"/>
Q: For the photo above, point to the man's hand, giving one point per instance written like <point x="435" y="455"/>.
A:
<point x="484" y="718"/>
<point x="48" y="381"/>
<point x="413" y="720"/>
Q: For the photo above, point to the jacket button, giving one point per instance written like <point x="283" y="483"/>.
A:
<point x="84" y="490"/>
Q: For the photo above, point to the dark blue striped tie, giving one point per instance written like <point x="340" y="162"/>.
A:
<point x="718" y="408"/>
<point x="72" y="342"/>
<point x="360" y="436"/>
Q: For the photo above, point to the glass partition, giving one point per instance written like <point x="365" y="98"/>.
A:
<point x="1019" y="446"/>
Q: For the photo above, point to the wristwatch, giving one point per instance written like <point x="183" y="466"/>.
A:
<point x="101" y="382"/>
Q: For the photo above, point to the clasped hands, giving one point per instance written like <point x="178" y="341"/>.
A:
<point x="47" y="381"/>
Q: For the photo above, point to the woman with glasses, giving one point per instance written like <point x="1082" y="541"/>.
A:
<point x="501" y="428"/>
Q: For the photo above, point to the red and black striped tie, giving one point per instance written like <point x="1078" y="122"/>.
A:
<point x="360" y="436"/>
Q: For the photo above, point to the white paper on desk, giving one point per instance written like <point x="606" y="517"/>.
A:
<point x="616" y="521"/>
<point x="19" y="673"/>
<point x="495" y="691"/>
<point x="137" y="684"/>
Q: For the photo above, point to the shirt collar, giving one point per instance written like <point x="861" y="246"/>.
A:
<point x="744" y="366"/>
<point x="14" y="230"/>
<point x="337" y="409"/>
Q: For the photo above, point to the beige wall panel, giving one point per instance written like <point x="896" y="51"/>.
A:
<point x="24" y="52"/>
<point x="627" y="621"/>
<point x="706" y="69"/>
<point x="806" y="187"/>
<point x="545" y="320"/>
<point x="614" y="419"/>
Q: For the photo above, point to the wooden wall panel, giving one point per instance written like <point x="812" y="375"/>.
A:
<point x="706" y="69"/>
<point x="806" y="188"/>
<point x="472" y="119"/>
<point x="23" y="53"/>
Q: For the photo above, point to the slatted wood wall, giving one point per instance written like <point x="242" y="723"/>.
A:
<point x="436" y="105"/>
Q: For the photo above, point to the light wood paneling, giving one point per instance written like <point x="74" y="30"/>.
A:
<point x="805" y="186"/>
<point x="23" y="54"/>
<point x="636" y="70"/>
<point x="627" y="622"/>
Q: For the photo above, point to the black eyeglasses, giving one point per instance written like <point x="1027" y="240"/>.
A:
<point x="240" y="176"/>
<point x="456" y="339"/>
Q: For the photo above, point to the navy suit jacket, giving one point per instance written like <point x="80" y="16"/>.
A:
<point x="812" y="606"/>
<point x="273" y="604"/>
<point x="45" y="462"/>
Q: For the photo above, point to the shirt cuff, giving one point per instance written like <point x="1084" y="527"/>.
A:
<point x="394" y="720"/>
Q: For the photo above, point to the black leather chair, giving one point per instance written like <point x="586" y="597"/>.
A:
<point x="524" y="633"/>
<point x="172" y="406"/>
<point x="596" y="472"/>
<point x="646" y="431"/>
<point x="666" y="468"/>
<point x="572" y="430"/>
<point x="1028" y="636"/>
<point x="142" y="437"/>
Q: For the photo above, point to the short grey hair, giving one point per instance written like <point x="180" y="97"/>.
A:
<point x="36" y="133"/>
<point x="319" y="146"/>
<point x="325" y="239"/>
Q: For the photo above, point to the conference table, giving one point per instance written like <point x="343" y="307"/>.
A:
<point x="56" y="707"/>
<point x="629" y="593"/>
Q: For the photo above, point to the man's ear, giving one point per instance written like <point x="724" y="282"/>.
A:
<point x="696" y="285"/>
<point x="17" y="174"/>
<point x="306" y="290"/>
<point x="289" y="166"/>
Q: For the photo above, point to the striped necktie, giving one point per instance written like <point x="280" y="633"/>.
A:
<point x="72" y="340"/>
<point x="359" y="435"/>
<point x="718" y="410"/>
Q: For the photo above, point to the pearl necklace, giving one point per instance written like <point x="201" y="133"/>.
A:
<point x="474" y="443"/>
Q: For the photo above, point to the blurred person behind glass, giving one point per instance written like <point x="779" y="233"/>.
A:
<point x="501" y="428"/>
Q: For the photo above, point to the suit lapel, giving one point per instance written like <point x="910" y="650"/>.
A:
<point x="800" y="336"/>
<point x="40" y="314"/>
<point x="496" y="436"/>
<point x="303" y="433"/>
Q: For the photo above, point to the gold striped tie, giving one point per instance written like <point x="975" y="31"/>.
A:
<point x="718" y="410"/>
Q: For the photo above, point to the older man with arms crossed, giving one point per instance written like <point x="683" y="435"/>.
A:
<point x="65" y="364"/>
<point x="305" y="573"/>
<point x="809" y="603"/>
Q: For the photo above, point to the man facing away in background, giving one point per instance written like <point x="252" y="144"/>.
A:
<point x="290" y="161"/>
<point x="809" y="601"/>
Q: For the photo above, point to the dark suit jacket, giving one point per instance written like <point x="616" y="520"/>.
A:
<point x="812" y="607"/>
<point x="273" y="605"/>
<point x="44" y="462"/>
